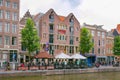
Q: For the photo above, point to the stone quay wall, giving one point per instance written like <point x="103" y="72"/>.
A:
<point x="58" y="72"/>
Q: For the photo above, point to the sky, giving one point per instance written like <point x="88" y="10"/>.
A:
<point x="99" y="12"/>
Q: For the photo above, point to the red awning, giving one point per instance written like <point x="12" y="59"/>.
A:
<point x="43" y="55"/>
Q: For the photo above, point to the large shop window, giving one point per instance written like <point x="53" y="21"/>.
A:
<point x="13" y="55"/>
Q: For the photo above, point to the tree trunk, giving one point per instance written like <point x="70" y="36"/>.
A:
<point x="29" y="62"/>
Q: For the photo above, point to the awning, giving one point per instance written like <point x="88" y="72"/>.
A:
<point x="63" y="56"/>
<point x="43" y="55"/>
<point x="77" y="56"/>
<point x="89" y="55"/>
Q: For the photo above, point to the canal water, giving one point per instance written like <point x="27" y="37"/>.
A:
<point x="87" y="76"/>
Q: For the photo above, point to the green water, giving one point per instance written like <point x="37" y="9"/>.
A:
<point x="89" y="76"/>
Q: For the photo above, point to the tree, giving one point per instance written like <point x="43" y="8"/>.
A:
<point x="116" y="47"/>
<point x="85" y="43"/>
<point x="30" y="39"/>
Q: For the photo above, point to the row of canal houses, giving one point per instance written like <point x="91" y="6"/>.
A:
<point x="61" y="33"/>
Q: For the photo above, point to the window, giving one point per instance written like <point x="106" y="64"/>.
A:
<point x="0" y="26"/>
<point x="51" y="38"/>
<point x="92" y="50"/>
<point x="60" y="37"/>
<point x="13" y="56"/>
<point x="14" y="40"/>
<point x="7" y="15"/>
<point x="51" y="28"/>
<point x="71" y="20"/>
<point x="98" y="50"/>
<point x="71" y="40"/>
<point x="7" y="4"/>
<point x="23" y="48"/>
<point x="5" y="56"/>
<point x="0" y="39"/>
<point x="98" y="33"/>
<point x="14" y="28"/>
<point x="103" y="35"/>
<point x="99" y="42"/>
<point x="102" y="42"/>
<point x="14" y="16"/>
<point x="1" y="2"/>
<point x="92" y="40"/>
<point x="7" y="27"/>
<point x="76" y="38"/>
<point x="7" y="40"/>
<point x="92" y="32"/>
<point x="71" y="49"/>
<point x="51" y="17"/>
<point x="1" y="14"/>
<point x="14" y="5"/>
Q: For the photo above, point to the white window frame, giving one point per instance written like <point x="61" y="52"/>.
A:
<point x="1" y="2"/>
<point x="14" y="5"/>
<point x="0" y="40"/>
<point x="1" y="24"/>
<point x="14" y="39"/>
<point x="1" y="14"/>
<point x="14" y="28"/>
<point x="14" y="16"/>
<point x="7" y="40"/>
<point x="98" y="33"/>
<point x="103" y="34"/>
<point x="7" y="27"/>
<point x="7" y="4"/>
<point x="92" y="32"/>
<point x="7" y="15"/>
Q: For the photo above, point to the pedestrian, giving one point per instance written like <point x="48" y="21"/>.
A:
<point x="8" y="66"/>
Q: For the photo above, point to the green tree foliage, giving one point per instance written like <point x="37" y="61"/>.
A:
<point x="116" y="47"/>
<point x="85" y="43"/>
<point x="30" y="39"/>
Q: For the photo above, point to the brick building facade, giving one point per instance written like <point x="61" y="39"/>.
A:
<point x="23" y="56"/>
<point x="109" y="47"/>
<point x="60" y="33"/>
<point x="9" y="25"/>
<point x="99" y="40"/>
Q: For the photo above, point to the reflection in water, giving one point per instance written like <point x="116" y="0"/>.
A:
<point x="88" y="76"/>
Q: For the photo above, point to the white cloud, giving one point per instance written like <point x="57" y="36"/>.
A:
<point x="100" y="12"/>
